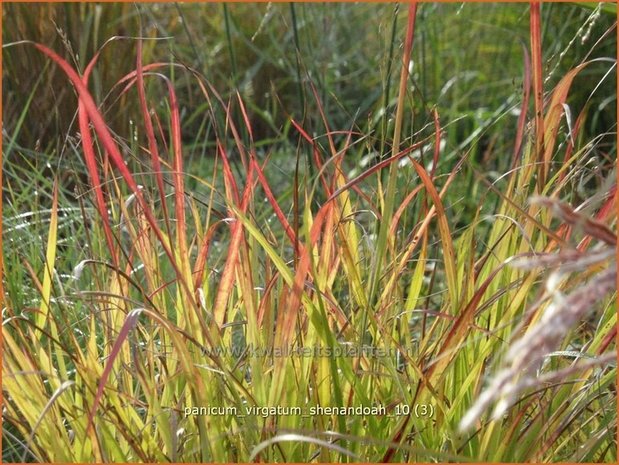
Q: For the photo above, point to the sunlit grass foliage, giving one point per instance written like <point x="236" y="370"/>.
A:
<point x="219" y="221"/>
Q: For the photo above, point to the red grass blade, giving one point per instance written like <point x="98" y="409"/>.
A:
<point x="150" y="133"/>
<point x="200" y="263"/>
<point x="271" y="198"/>
<point x="555" y="112"/>
<point x="106" y="139"/>
<point x="444" y="232"/>
<point x="522" y="118"/>
<point x="377" y="167"/>
<point x="91" y="165"/>
<point x="315" y="152"/>
<point x="459" y="329"/>
<point x="287" y="319"/>
<point x="128" y="325"/>
<point x="227" y="278"/>
<point x="403" y="206"/>
<point x="179" y="184"/>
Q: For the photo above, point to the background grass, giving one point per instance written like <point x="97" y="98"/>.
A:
<point x="283" y="231"/>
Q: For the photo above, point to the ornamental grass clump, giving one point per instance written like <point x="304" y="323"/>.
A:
<point x="556" y="314"/>
<point x="235" y="237"/>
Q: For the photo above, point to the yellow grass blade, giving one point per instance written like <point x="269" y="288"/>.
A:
<point x="50" y="258"/>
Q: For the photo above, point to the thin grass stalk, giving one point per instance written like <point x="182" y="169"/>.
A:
<point x="538" y="87"/>
<point x="387" y="211"/>
<point x="522" y="117"/>
<point x="230" y="47"/>
<point x="300" y="92"/>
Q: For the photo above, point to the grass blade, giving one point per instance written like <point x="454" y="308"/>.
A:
<point x="50" y="259"/>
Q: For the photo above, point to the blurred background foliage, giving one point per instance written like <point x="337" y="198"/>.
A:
<point x="468" y="62"/>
